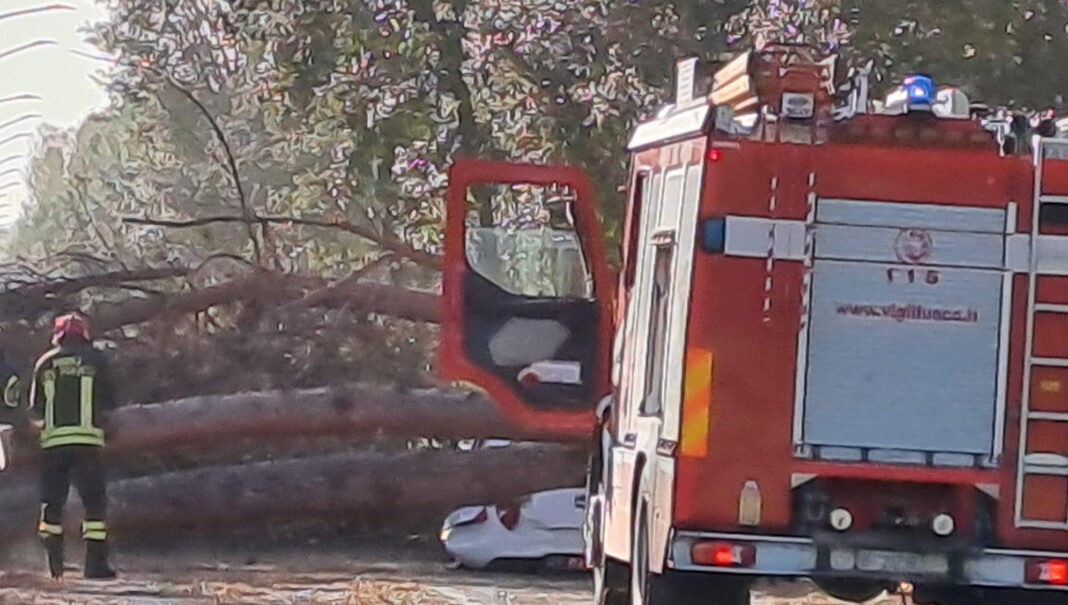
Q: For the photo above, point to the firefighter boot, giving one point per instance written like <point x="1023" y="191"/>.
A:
<point x="96" y="560"/>
<point x="54" y="549"/>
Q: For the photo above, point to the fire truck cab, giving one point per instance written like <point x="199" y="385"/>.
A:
<point x="836" y="348"/>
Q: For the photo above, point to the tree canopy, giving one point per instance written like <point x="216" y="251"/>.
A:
<point x="260" y="157"/>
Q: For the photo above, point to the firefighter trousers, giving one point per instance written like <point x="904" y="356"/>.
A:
<point x="82" y="465"/>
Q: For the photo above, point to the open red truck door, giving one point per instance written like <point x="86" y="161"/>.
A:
<point x="527" y="292"/>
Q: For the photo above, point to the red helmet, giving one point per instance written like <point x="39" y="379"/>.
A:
<point x="70" y="324"/>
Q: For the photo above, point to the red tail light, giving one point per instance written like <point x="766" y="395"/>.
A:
<point x="508" y="515"/>
<point x="1058" y="572"/>
<point x="723" y="554"/>
<point x="1047" y="571"/>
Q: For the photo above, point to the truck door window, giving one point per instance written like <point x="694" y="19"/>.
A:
<point x="1053" y="219"/>
<point x="658" y="323"/>
<point x="632" y="236"/>
<point x="530" y="313"/>
<point x="522" y="238"/>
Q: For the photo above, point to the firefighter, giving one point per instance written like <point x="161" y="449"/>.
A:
<point x="72" y="394"/>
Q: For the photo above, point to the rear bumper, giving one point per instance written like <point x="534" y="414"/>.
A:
<point x="803" y="557"/>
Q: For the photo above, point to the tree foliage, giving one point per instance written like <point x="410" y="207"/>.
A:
<point x="1002" y="53"/>
<point x="341" y="118"/>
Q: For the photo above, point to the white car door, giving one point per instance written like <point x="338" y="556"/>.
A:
<point x="556" y="509"/>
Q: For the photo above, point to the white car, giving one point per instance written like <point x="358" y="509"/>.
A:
<point x="544" y="527"/>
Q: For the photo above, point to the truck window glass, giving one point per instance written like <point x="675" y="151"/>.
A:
<point x="632" y="237"/>
<point x="1053" y="218"/>
<point x="523" y="239"/>
<point x="658" y="320"/>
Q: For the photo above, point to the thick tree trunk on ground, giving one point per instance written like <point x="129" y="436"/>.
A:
<point x="353" y="411"/>
<point x="354" y="487"/>
<point x="261" y="421"/>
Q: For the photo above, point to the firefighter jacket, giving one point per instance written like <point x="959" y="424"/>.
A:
<point x="72" y="393"/>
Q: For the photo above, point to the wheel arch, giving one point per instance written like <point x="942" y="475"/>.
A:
<point x="639" y="499"/>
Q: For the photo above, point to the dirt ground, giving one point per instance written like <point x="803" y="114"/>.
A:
<point x="369" y="577"/>
<point x="391" y="572"/>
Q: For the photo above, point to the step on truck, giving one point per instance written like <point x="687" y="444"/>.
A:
<point x="836" y="346"/>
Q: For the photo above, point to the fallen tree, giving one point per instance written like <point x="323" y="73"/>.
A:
<point x="26" y="301"/>
<point x="199" y="424"/>
<point x="349" y="411"/>
<point x="276" y="289"/>
<point x="357" y="488"/>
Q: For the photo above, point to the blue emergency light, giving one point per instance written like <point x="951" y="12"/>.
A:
<point x="920" y="89"/>
<point x="714" y="235"/>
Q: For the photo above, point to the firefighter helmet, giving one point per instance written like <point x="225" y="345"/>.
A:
<point x="69" y="324"/>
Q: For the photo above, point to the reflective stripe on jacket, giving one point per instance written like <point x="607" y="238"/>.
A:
<point x="71" y="392"/>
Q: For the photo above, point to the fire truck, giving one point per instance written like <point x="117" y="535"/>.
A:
<point x="836" y="346"/>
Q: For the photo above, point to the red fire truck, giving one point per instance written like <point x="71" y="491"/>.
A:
<point x="837" y="347"/>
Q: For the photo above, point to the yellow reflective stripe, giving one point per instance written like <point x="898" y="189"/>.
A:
<point x="94" y="530"/>
<point x="48" y="379"/>
<point x="86" y="384"/>
<point x="72" y="440"/>
<point x="51" y="529"/>
<point x="697" y="403"/>
<point x="72" y="435"/>
<point x="85" y="431"/>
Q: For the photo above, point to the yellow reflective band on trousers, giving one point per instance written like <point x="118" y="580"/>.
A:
<point x="94" y="530"/>
<point x="49" y="529"/>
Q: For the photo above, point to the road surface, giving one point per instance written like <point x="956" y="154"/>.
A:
<point x="188" y="575"/>
<point x="371" y="588"/>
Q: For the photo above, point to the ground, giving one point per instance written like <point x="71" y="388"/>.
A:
<point x="414" y="573"/>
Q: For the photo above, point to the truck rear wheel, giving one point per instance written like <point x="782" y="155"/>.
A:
<point x="994" y="596"/>
<point x="947" y="595"/>
<point x="647" y="588"/>
<point x="678" y="588"/>
<point x="641" y="580"/>
<point x="962" y="595"/>
<point x="857" y="591"/>
<point x="683" y="588"/>
<point x="611" y="582"/>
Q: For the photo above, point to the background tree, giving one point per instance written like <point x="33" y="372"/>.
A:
<point x="261" y="158"/>
<point x="260" y="208"/>
<point x="1000" y="53"/>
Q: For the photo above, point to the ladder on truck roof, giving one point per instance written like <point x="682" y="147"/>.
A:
<point x="1032" y="465"/>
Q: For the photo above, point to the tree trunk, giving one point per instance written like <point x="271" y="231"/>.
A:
<point x="353" y="411"/>
<point x="394" y="301"/>
<point x="350" y="487"/>
<point x="198" y="425"/>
